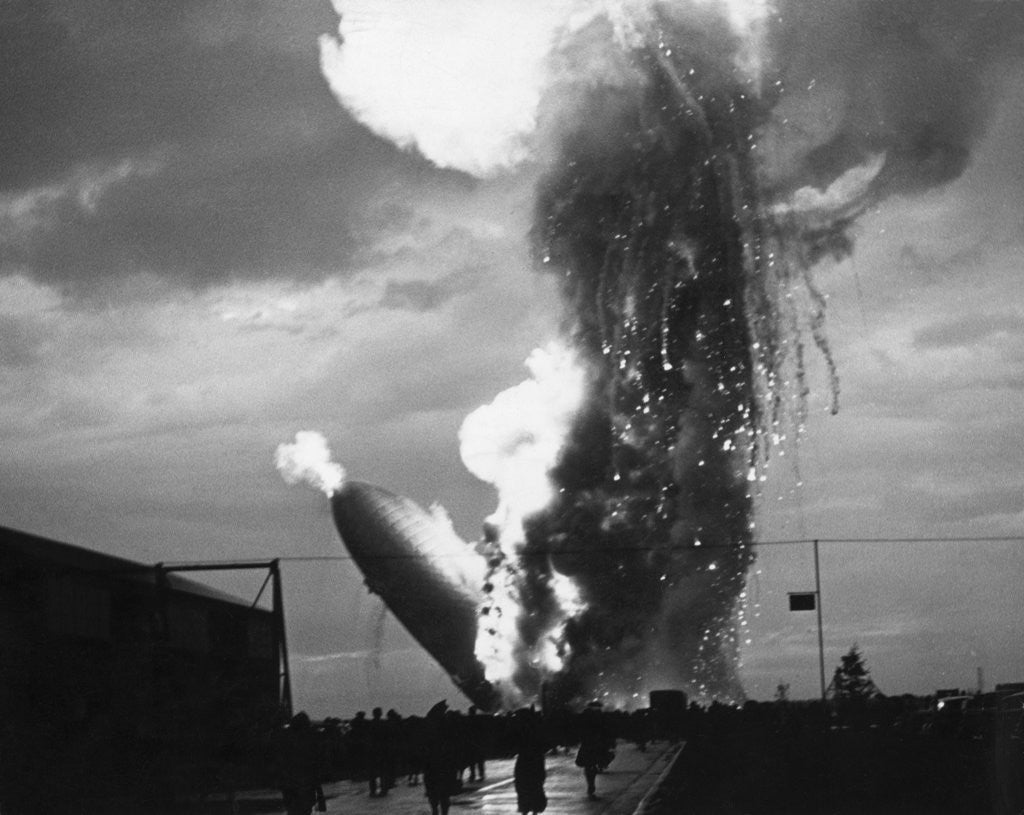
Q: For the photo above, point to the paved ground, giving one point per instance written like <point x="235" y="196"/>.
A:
<point x="621" y="789"/>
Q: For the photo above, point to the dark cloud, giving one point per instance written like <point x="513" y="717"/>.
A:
<point x="282" y="215"/>
<point x="916" y="80"/>
<point x="239" y="162"/>
<point x="91" y="80"/>
<point x="968" y="330"/>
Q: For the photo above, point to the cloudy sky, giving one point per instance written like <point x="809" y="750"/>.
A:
<point x="202" y="252"/>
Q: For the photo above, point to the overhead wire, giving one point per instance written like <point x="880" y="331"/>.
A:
<point x="652" y="548"/>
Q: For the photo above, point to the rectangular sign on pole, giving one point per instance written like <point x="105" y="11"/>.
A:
<point x="802" y="601"/>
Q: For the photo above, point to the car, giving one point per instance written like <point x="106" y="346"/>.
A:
<point x="949" y="714"/>
<point x="952" y="705"/>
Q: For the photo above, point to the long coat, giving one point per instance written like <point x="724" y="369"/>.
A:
<point x="530" y="772"/>
<point x="439" y="761"/>
<point x="596" y="745"/>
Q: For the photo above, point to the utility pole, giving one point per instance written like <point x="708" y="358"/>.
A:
<point x="811" y="601"/>
<point x="821" y="639"/>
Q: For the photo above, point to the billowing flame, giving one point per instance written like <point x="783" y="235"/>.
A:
<point x="308" y="460"/>
<point x="567" y="593"/>
<point x="497" y="636"/>
<point x="427" y="75"/>
<point x="394" y="62"/>
<point x="513" y="443"/>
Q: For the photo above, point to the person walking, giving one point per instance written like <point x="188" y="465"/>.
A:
<point x="476" y="727"/>
<point x="297" y="758"/>
<point x="440" y="759"/>
<point x="596" y="746"/>
<point x="376" y="753"/>
<point x="530" y="773"/>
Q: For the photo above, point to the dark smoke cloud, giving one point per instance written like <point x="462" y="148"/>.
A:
<point x="917" y="81"/>
<point x="642" y="217"/>
<point x="671" y="214"/>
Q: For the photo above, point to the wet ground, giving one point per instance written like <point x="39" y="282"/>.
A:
<point x="622" y="790"/>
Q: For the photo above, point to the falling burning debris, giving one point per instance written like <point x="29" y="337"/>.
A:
<point x="699" y="158"/>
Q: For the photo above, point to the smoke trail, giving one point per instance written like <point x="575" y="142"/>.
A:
<point x="308" y="461"/>
<point x="701" y="158"/>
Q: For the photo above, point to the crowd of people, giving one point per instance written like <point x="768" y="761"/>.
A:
<point x="446" y="748"/>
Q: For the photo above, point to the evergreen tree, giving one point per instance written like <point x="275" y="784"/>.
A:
<point x="852" y="680"/>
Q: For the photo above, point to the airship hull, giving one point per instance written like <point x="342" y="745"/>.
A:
<point x="428" y="578"/>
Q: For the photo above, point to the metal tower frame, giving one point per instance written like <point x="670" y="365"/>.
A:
<point x="273" y="568"/>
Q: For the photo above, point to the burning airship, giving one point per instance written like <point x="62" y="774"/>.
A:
<point x="428" y="577"/>
<point x="439" y="587"/>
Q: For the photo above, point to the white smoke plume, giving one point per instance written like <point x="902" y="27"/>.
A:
<point x="308" y="460"/>
<point x="514" y="441"/>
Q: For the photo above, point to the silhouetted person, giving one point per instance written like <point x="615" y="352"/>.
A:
<point x="413" y="748"/>
<point x="358" y="739"/>
<point x="439" y="760"/>
<point x="376" y="753"/>
<point x="458" y="734"/>
<point x="475" y="728"/>
<point x="531" y="744"/>
<point x="595" y="751"/>
<point x="394" y="747"/>
<point x="297" y="763"/>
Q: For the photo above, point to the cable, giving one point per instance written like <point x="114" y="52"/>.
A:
<point x="668" y="548"/>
